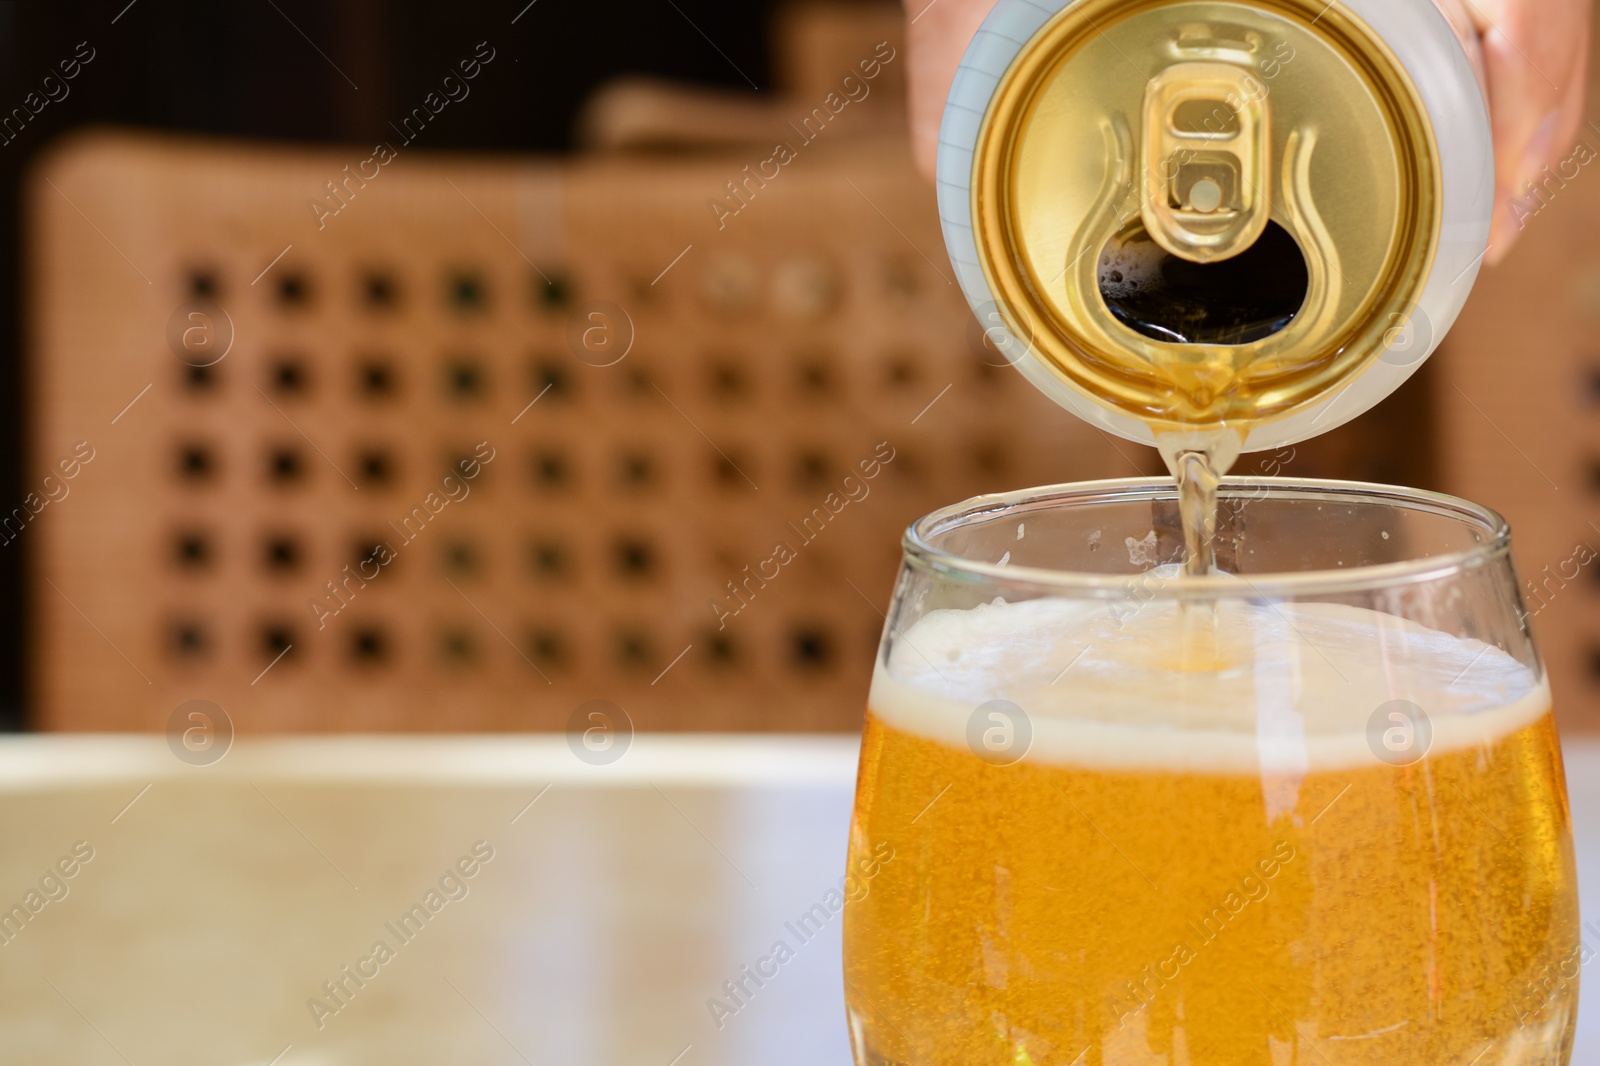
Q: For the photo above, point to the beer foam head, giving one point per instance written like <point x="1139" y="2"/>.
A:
<point x="1279" y="686"/>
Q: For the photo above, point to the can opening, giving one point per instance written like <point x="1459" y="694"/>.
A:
<point x="1239" y="300"/>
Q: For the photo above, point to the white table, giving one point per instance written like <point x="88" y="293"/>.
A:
<point x="222" y="898"/>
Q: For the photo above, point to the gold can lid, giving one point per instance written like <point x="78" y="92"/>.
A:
<point x="1205" y="212"/>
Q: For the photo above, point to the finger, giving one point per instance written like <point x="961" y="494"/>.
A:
<point x="1527" y="180"/>
<point x="1535" y="58"/>
<point x="937" y="34"/>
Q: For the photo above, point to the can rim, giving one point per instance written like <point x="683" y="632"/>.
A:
<point x="1113" y="371"/>
<point x="920" y="550"/>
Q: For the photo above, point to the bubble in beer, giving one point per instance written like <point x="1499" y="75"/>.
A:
<point x="1399" y="732"/>
<point x="199" y="732"/>
<point x="599" y="732"/>
<point x="999" y="732"/>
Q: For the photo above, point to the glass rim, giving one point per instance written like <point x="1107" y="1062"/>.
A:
<point x="919" y="549"/>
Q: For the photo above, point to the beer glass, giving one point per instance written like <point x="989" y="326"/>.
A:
<point x="1309" y="809"/>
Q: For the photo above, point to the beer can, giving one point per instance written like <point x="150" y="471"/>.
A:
<point x="1172" y="214"/>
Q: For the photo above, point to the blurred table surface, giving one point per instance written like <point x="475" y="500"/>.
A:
<point x="618" y="900"/>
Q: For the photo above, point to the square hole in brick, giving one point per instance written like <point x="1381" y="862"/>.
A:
<point x="201" y="380"/>
<point x="380" y="291"/>
<point x="810" y="648"/>
<point x="462" y="558"/>
<point x="817" y="377"/>
<point x="289" y="376"/>
<point x="907" y="466"/>
<point x="733" y="469"/>
<point x="196" y="462"/>
<point x="376" y="467"/>
<point x="635" y="559"/>
<point x="813" y="468"/>
<point x="370" y="645"/>
<point x="901" y="370"/>
<point x="553" y="292"/>
<point x="294" y="290"/>
<point x="901" y="282"/>
<point x="282" y="554"/>
<point x="636" y="382"/>
<point x="204" y="283"/>
<point x="990" y="377"/>
<point x="723" y="650"/>
<point x="466" y="466"/>
<point x="189" y="639"/>
<point x="727" y="381"/>
<point x="277" y="640"/>
<point x="636" y="470"/>
<point x="371" y="555"/>
<point x="466" y="378"/>
<point x="192" y="551"/>
<point x="551" y="381"/>
<point x="634" y="650"/>
<point x="458" y="646"/>
<point x="552" y="470"/>
<point x="549" y="649"/>
<point x="990" y="458"/>
<point x="467" y="292"/>
<point x="377" y="378"/>
<point x="550" y="560"/>
<point x="286" y="465"/>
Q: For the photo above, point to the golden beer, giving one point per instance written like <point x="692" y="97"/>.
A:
<point x="1211" y="863"/>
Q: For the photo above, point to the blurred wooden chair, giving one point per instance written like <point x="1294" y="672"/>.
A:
<point x="653" y="394"/>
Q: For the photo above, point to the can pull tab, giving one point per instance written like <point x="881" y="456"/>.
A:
<point x="1204" y="196"/>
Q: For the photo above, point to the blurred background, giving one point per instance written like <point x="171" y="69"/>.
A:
<point x="407" y="367"/>
<point x="660" y="275"/>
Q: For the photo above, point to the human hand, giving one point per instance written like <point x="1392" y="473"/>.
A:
<point x="1531" y="55"/>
